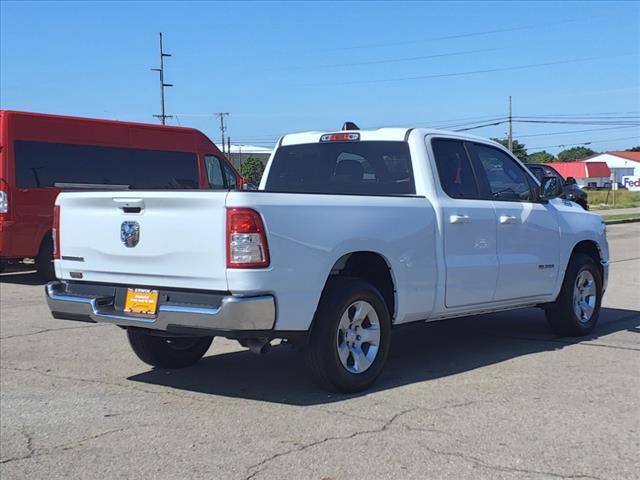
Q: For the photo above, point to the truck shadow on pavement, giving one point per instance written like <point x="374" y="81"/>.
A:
<point x="419" y="353"/>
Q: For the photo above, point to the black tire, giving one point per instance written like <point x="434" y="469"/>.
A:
<point x="561" y="315"/>
<point x="167" y="352"/>
<point x="322" y="355"/>
<point x="44" y="260"/>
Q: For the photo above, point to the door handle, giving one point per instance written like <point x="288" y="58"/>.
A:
<point x="506" y="219"/>
<point x="459" y="219"/>
<point x="130" y="205"/>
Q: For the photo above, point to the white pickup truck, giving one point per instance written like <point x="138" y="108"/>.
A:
<point x="349" y="234"/>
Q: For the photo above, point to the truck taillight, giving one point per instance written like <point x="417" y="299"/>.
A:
<point x="56" y="232"/>
<point x="4" y="202"/>
<point x="246" y="239"/>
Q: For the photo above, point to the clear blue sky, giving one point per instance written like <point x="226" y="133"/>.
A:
<point x="282" y="67"/>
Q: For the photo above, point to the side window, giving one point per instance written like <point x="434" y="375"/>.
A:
<point x="539" y="172"/>
<point x="230" y="176"/>
<point x="507" y="180"/>
<point x="62" y="165"/>
<point x="454" y="169"/>
<point x="214" y="172"/>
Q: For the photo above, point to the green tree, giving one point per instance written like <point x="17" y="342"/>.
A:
<point x="251" y="169"/>
<point x="518" y="150"/>
<point x="633" y="149"/>
<point x="574" y="154"/>
<point x="541" y="157"/>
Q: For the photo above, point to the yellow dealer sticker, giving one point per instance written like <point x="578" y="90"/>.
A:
<point x="140" y="300"/>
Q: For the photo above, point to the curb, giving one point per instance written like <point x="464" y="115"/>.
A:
<point x="616" y="222"/>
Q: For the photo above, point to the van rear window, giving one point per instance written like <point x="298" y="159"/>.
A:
<point x="41" y="164"/>
<point x="373" y="168"/>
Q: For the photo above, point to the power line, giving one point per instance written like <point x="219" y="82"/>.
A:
<point x="476" y="72"/>
<point x="618" y="124"/>
<point x="583" y="114"/>
<point x="465" y="35"/>
<point x="586" y="143"/>
<point x="575" y="131"/>
<point x="481" y="126"/>
<point x="390" y="60"/>
<point x="582" y="122"/>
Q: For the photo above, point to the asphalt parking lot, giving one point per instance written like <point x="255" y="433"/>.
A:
<point x="494" y="396"/>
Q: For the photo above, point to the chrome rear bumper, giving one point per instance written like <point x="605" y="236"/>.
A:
<point x="233" y="313"/>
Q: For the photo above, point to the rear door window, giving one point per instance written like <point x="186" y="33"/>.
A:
<point x="42" y="165"/>
<point x="214" y="172"/>
<point x="369" y="168"/>
<point x="229" y="176"/>
<point x="457" y="177"/>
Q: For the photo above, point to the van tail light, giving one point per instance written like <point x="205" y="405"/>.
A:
<point x="246" y="239"/>
<point x="4" y="202"/>
<point x="56" y="232"/>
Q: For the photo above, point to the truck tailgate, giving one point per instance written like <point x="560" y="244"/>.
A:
<point x="180" y="244"/>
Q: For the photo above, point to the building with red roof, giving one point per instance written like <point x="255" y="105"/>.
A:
<point x="586" y="174"/>
<point x="621" y="164"/>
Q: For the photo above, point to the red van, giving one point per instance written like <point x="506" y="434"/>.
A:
<point x="41" y="155"/>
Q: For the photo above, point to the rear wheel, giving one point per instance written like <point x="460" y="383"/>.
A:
<point x="351" y="336"/>
<point x="44" y="260"/>
<point x="576" y="311"/>
<point x="167" y="352"/>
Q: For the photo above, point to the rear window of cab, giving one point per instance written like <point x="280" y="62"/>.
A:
<point x="365" y="168"/>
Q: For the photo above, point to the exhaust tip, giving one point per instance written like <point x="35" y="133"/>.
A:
<point x="259" y="346"/>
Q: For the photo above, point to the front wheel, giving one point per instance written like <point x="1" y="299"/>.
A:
<point x="575" y="313"/>
<point x="351" y="336"/>
<point x="167" y="352"/>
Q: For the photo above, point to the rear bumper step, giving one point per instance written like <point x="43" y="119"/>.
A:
<point x="234" y="314"/>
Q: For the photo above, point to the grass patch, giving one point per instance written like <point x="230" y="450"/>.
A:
<point x="603" y="199"/>
<point x="620" y="217"/>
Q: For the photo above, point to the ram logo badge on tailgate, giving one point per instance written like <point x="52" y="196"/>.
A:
<point x="130" y="234"/>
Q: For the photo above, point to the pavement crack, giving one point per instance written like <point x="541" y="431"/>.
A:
<point x="69" y="446"/>
<point x="583" y="343"/>
<point x="265" y="462"/>
<point x="46" y="330"/>
<point x="503" y="468"/>
<point x="106" y="383"/>
<point x="78" y="443"/>
<point x="624" y="260"/>
<point x="29" y="446"/>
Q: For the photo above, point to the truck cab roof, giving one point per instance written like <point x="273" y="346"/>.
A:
<point x="379" y="134"/>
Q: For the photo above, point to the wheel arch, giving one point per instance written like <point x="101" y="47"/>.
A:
<point x="591" y="249"/>
<point x="372" y="267"/>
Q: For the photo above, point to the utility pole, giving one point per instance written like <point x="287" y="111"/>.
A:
<point x="221" y="115"/>
<point x="510" y="136"/>
<point x="229" y="149"/>
<point x="162" y="115"/>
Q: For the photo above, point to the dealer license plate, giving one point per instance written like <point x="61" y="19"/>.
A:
<point x="140" y="300"/>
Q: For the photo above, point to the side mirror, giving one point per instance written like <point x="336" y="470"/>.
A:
<point x="550" y="187"/>
<point x="570" y="181"/>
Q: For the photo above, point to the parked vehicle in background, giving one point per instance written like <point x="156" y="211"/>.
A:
<point x="570" y="189"/>
<point x="350" y="234"/>
<point x="42" y="155"/>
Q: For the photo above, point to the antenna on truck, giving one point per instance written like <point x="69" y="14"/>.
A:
<point x="350" y="126"/>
